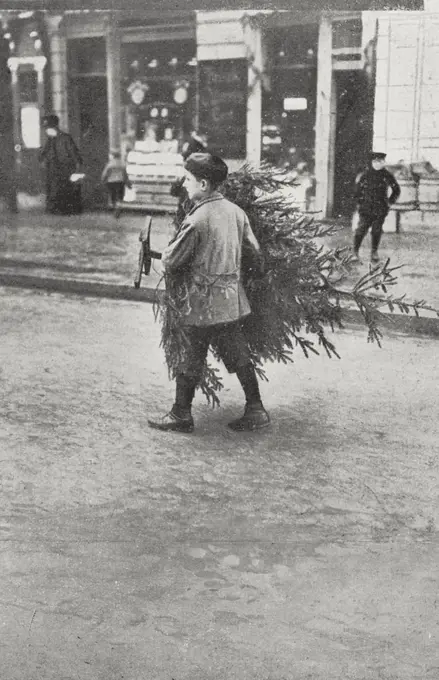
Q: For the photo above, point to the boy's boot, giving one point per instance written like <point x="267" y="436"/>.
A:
<point x="255" y="416"/>
<point x="179" y="419"/>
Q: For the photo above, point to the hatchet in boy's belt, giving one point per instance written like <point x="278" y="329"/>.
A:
<point x="146" y="255"/>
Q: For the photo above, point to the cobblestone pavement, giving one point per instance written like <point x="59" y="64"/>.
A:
<point x="97" y="248"/>
<point x="309" y="551"/>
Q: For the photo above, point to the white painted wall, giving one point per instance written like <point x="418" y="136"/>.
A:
<point x="428" y="127"/>
<point x="431" y="5"/>
<point x="220" y="35"/>
<point x="398" y="59"/>
<point x="406" y="123"/>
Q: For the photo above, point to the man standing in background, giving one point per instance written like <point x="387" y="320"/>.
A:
<point x="373" y="200"/>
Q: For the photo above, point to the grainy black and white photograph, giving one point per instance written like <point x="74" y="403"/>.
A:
<point x="219" y="366"/>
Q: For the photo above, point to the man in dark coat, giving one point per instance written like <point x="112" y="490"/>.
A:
<point x="372" y="196"/>
<point x="62" y="159"/>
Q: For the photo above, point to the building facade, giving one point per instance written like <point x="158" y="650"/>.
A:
<point x="299" y="89"/>
<point x="406" y="121"/>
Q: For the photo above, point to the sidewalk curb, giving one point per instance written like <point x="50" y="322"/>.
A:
<point x="74" y="287"/>
<point x="399" y="323"/>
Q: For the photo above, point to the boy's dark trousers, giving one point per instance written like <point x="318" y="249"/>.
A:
<point x="233" y="349"/>
<point x="116" y="191"/>
<point x="375" y="224"/>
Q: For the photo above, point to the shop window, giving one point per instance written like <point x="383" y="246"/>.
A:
<point x="346" y="34"/>
<point x="152" y="60"/>
<point x="294" y="46"/>
<point x="223" y="106"/>
<point x="87" y="56"/>
<point x="158" y="92"/>
<point x="289" y="105"/>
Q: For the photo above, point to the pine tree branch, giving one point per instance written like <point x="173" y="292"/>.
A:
<point x="300" y="296"/>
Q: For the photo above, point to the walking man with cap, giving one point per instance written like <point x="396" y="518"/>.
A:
<point x="62" y="159"/>
<point x="373" y="200"/>
<point x="205" y="255"/>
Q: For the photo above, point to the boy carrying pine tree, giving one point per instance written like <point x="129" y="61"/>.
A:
<point x="203" y="261"/>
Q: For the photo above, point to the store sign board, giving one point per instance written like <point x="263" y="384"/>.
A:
<point x="295" y="104"/>
<point x="223" y="105"/>
<point x="30" y="127"/>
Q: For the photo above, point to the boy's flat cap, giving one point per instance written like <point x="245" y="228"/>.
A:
<point x="207" y="166"/>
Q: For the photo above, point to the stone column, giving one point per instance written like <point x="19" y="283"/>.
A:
<point x="253" y="41"/>
<point x="40" y="63"/>
<point x="323" y="118"/>
<point x="58" y="64"/>
<point x="114" y="81"/>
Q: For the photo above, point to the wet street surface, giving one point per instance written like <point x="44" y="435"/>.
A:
<point x="97" y="248"/>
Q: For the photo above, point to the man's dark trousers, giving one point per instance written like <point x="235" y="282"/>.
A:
<point x="375" y="224"/>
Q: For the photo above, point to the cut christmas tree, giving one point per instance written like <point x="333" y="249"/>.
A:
<point x="302" y="294"/>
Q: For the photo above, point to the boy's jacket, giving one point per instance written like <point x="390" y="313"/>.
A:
<point x="206" y="256"/>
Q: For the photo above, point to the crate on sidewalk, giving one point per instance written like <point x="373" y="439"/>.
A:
<point x="151" y="176"/>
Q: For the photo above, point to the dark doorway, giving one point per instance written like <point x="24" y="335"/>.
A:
<point x="353" y="135"/>
<point x="91" y="127"/>
<point x="88" y="113"/>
